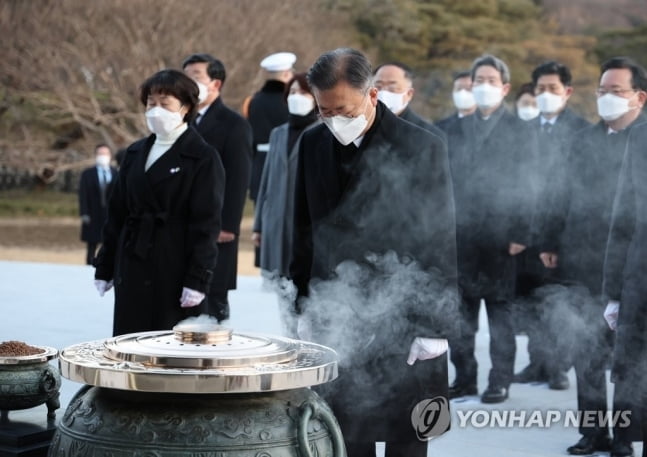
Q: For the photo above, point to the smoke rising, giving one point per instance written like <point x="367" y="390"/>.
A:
<point x="380" y="304"/>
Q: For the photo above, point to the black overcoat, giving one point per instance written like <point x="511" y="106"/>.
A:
<point x="546" y="171"/>
<point x="410" y="116"/>
<point x="161" y="232"/>
<point x="578" y="224"/>
<point x="493" y="200"/>
<point x="267" y="109"/>
<point x="91" y="204"/>
<point x="626" y="264"/>
<point x="231" y="135"/>
<point x="398" y="198"/>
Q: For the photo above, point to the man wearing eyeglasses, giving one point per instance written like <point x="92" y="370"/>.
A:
<point x="574" y="242"/>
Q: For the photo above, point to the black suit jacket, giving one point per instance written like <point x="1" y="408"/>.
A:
<point x="626" y="263"/>
<point x="267" y="109"/>
<point x="580" y="217"/>
<point x="493" y="198"/>
<point x="231" y="135"/>
<point x="544" y="174"/>
<point x="91" y="203"/>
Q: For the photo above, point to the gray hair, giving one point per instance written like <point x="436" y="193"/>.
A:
<point x="492" y="61"/>
<point x="341" y="64"/>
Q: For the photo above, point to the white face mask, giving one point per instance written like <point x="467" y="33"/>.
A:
<point x="612" y="107"/>
<point x="394" y="101"/>
<point x="463" y="99"/>
<point x="527" y="113"/>
<point x="161" y="121"/>
<point x="103" y="161"/>
<point x="346" y="129"/>
<point x="549" y="103"/>
<point x="204" y="92"/>
<point x="487" y="95"/>
<point x="300" y="104"/>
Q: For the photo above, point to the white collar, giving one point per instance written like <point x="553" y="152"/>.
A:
<point x="174" y="135"/>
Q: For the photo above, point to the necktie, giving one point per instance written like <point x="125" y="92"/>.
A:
<point x="198" y="118"/>
<point x="546" y="128"/>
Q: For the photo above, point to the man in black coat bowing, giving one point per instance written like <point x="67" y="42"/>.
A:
<point x="374" y="257"/>
<point x="231" y="135"/>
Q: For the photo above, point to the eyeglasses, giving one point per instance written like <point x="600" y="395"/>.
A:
<point x="617" y="92"/>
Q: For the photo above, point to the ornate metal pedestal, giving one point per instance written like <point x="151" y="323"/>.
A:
<point x="198" y="393"/>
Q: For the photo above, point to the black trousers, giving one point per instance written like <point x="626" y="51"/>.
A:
<point x="591" y="359"/>
<point x="90" y="252"/>
<point x="502" y="342"/>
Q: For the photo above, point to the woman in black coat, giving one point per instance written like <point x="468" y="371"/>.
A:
<point x="625" y="268"/>
<point x="159" y="242"/>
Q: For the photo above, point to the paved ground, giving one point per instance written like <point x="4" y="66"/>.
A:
<point x="57" y="305"/>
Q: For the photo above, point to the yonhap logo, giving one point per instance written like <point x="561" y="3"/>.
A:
<point x="431" y="418"/>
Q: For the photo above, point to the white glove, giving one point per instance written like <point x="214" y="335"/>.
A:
<point x="611" y="314"/>
<point x="102" y="286"/>
<point x="426" y="348"/>
<point x="190" y="298"/>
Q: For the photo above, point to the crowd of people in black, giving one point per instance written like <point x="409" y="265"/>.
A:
<point x="536" y="212"/>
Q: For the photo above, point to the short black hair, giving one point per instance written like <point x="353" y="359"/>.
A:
<point x="526" y="88"/>
<point x="552" y="67"/>
<point x="341" y="64"/>
<point x="638" y="73"/>
<point x="461" y="74"/>
<point x="102" y="145"/>
<point x="215" y="68"/>
<point x="175" y="83"/>
<point x="408" y="72"/>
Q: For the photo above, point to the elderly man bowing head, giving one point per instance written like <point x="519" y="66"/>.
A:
<point x="374" y="257"/>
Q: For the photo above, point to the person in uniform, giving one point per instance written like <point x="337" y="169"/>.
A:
<point x="266" y="110"/>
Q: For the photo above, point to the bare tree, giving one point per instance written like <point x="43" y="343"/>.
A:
<point x="73" y="67"/>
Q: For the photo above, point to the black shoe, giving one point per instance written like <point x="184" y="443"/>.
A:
<point x="559" y="381"/>
<point x="621" y="449"/>
<point x="532" y="373"/>
<point x="495" y="394"/>
<point x="461" y="390"/>
<point x="589" y="444"/>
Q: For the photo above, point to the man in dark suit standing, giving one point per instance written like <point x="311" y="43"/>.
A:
<point x="373" y="195"/>
<point x="556" y="126"/>
<point x="394" y="82"/>
<point x="574" y="238"/>
<point x="231" y="135"/>
<point x="94" y="190"/>
<point x="488" y="151"/>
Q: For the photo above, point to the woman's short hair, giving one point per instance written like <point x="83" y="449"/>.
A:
<point x="302" y="79"/>
<point x="175" y="83"/>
